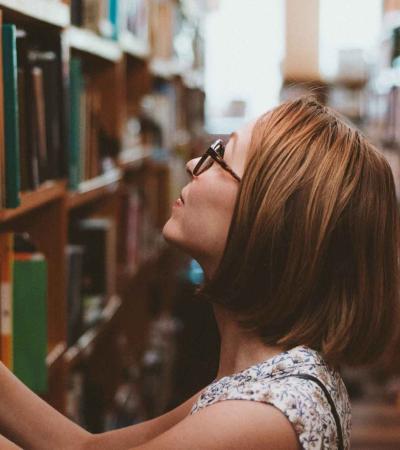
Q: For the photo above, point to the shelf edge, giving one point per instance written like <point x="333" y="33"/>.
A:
<point x="51" y="12"/>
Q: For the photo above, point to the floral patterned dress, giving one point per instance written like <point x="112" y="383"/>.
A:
<point x="302" y="401"/>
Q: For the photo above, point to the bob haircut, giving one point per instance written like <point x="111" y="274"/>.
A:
<point x="312" y="254"/>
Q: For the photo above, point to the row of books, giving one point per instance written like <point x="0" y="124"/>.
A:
<point x="90" y="147"/>
<point x="110" y="18"/>
<point x="36" y="147"/>
<point x="383" y="117"/>
<point x="91" y="273"/>
<point x="163" y="25"/>
<point x="23" y="305"/>
<point x="95" y="251"/>
<point x="138" y="227"/>
<point x="33" y="147"/>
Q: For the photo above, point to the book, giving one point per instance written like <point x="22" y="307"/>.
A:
<point x="49" y="64"/>
<point x="6" y="292"/>
<point x="83" y="131"/>
<point x="91" y="10"/>
<point x="129" y="245"/>
<point x="98" y="238"/>
<point x="76" y="12"/>
<point x="74" y="255"/>
<point x="25" y="162"/>
<point x="76" y="83"/>
<point x="91" y="274"/>
<point x="93" y="134"/>
<point x="10" y="80"/>
<point x="39" y="122"/>
<point x="113" y="18"/>
<point x="30" y="319"/>
<point x="2" y="147"/>
<point x="29" y="158"/>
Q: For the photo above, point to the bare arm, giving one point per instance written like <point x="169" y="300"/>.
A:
<point x="230" y="424"/>
<point x="143" y="432"/>
<point x="34" y="425"/>
<point x="30" y="422"/>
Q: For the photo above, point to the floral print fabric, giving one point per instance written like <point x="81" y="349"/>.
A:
<point x="302" y="401"/>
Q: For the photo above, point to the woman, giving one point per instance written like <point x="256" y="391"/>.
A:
<point x="295" y="224"/>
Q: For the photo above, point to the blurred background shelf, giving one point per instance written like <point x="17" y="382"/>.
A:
<point x="87" y="342"/>
<point x="54" y="13"/>
<point x="165" y="68"/>
<point x="94" y="189"/>
<point x="86" y="41"/>
<point x="133" y="159"/>
<point x="55" y="354"/>
<point x="133" y="47"/>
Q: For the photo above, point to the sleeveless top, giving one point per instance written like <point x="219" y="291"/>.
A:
<point x="302" y="401"/>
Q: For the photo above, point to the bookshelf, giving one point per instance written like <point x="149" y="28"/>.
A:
<point x="31" y="201"/>
<point x="87" y="41"/>
<point x="55" y="13"/>
<point x="104" y="172"/>
<point x="132" y="46"/>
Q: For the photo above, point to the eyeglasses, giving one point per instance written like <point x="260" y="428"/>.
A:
<point x="214" y="153"/>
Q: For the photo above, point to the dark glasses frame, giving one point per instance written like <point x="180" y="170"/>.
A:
<point x="216" y="152"/>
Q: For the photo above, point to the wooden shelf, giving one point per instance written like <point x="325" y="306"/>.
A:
<point x="55" y="354"/>
<point x="133" y="159"/>
<point x="132" y="46"/>
<point x="46" y="193"/>
<point x="87" y="41"/>
<point x="50" y="12"/>
<point x="92" y="190"/>
<point x="87" y="342"/>
<point x="193" y="79"/>
<point x="166" y="69"/>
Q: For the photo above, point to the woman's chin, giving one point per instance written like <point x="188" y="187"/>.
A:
<point x="170" y="233"/>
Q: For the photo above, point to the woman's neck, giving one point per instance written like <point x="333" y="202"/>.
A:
<point x="239" y="349"/>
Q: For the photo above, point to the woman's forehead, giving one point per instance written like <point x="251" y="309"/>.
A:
<point x="238" y="145"/>
<point x="242" y="134"/>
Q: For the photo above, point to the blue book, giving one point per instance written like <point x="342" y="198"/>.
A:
<point x="113" y="17"/>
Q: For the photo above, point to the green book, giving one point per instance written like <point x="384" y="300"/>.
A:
<point x="76" y="84"/>
<point x="30" y="320"/>
<point x="11" y="131"/>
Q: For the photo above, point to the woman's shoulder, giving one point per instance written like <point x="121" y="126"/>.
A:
<point x="301" y="400"/>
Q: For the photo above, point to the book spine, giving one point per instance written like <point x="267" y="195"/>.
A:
<point x="24" y="159"/>
<point x="40" y="121"/>
<point x="2" y="147"/>
<point x="10" y="93"/>
<point x="76" y="83"/>
<point x="30" y="336"/>
<point x="83" y="135"/>
<point x="113" y="17"/>
<point x="6" y="313"/>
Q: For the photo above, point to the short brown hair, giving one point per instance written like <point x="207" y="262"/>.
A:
<point x="312" y="255"/>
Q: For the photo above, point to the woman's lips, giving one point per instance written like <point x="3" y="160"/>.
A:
<point x="178" y="202"/>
